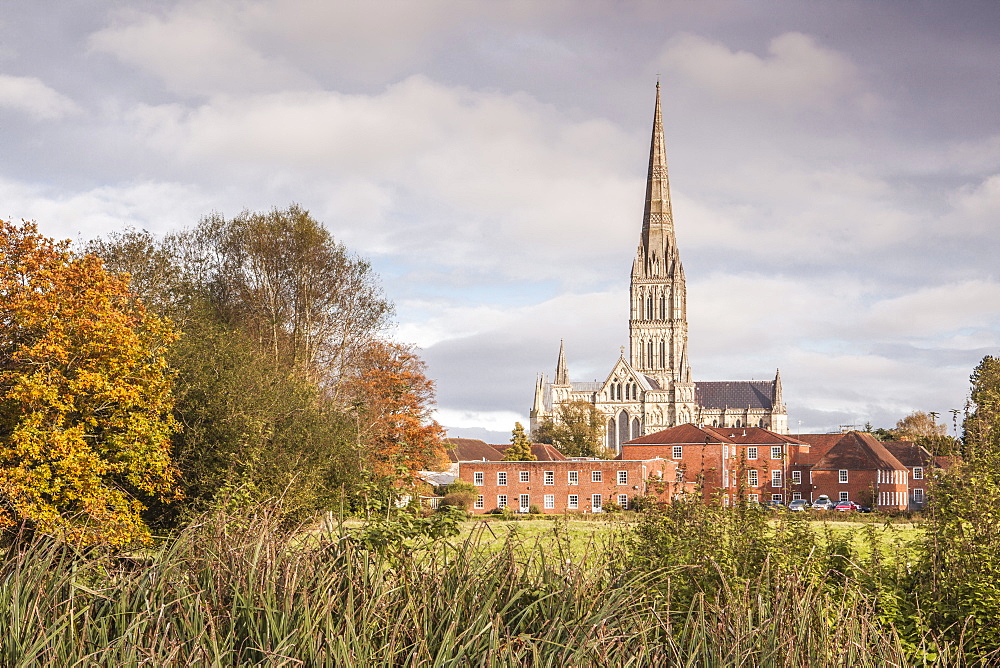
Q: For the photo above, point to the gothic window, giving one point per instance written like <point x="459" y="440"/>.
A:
<point x="623" y="424"/>
<point x="663" y="307"/>
<point x="738" y="424"/>
<point x="649" y="308"/>
<point x="650" y="354"/>
<point x="628" y="391"/>
<point x="612" y="443"/>
<point x="760" y="423"/>
<point x="663" y="354"/>
<point x="715" y="423"/>
<point x="636" y="428"/>
<point x="635" y="391"/>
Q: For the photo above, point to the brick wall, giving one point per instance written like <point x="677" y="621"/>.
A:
<point x="609" y="486"/>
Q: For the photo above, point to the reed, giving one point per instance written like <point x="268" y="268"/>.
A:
<point x="226" y="593"/>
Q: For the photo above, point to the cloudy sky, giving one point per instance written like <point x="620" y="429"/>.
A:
<point x="835" y="170"/>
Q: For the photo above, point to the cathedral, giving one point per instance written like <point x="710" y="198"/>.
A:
<point x="651" y="389"/>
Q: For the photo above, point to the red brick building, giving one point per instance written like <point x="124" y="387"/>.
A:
<point x="573" y="485"/>
<point x="728" y="464"/>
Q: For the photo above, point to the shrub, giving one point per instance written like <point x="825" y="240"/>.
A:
<point x="534" y="510"/>
<point x="461" y="500"/>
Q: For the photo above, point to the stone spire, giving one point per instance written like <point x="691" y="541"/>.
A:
<point x="776" y="400"/>
<point x="562" y="374"/>
<point x="538" y="407"/>
<point x="658" y="242"/>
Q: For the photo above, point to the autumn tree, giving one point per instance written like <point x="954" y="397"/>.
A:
<point x="520" y="446"/>
<point x="85" y="399"/>
<point x="923" y="429"/>
<point x="576" y="430"/>
<point x="392" y="400"/>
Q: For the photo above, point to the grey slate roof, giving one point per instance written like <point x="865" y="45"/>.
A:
<point x="735" y="394"/>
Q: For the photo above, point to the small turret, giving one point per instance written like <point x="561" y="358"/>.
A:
<point x="562" y="373"/>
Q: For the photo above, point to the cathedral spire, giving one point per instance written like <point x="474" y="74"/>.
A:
<point x="657" y="217"/>
<point x="562" y="374"/>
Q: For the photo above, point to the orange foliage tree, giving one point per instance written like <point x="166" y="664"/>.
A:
<point x="393" y="400"/>
<point x="85" y="400"/>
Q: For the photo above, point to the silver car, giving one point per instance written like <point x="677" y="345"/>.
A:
<point x="798" y="505"/>
<point x="823" y="503"/>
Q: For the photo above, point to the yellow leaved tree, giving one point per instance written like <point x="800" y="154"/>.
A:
<point x="85" y="404"/>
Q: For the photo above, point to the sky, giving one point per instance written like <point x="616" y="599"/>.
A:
<point x="835" y="172"/>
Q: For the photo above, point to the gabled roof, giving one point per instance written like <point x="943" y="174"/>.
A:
<point x="471" y="450"/>
<point x="857" y="451"/>
<point x="754" y="436"/>
<point x="909" y="453"/>
<point x="819" y="445"/>
<point x="683" y="434"/>
<point x="544" y="452"/>
<point x="720" y="394"/>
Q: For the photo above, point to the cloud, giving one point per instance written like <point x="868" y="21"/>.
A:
<point x="85" y="214"/>
<point x="30" y="96"/>
<point x="463" y="179"/>
<point x="796" y="73"/>
<point x="197" y="50"/>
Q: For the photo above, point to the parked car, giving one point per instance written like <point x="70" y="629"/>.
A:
<point x="846" y="506"/>
<point x="798" y="505"/>
<point x="823" y="503"/>
<point x="773" y="505"/>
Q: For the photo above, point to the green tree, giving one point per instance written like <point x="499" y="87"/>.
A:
<point x="85" y="402"/>
<point x="959" y="580"/>
<point x="520" y="446"/>
<point x="576" y="430"/>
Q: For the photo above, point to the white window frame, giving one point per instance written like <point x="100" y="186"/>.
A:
<point x="843" y="476"/>
<point x="776" y="452"/>
<point x="596" y="503"/>
<point x="549" y="501"/>
<point x="550" y="478"/>
<point x="752" y="452"/>
<point x="596" y="476"/>
<point x="796" y="496"/>
<point x="752" y="478"/>
<point x="778" y="498"/>
<point x="623" y="477"/>
<point x="677" y="452"/>
<point x="918" y="495"/>
<point x="501" y="500"/>
<point x="478" y="478"/>
<point x="796" y="477"/>
<point x="845" y="496"/>
<point x="573" y="501"/>
<point x="524" y="503"/>
<point x="776" y="477"/>
<point x="573" y="478"/>
<point x="480" y="502"/>
<point x="501" y="478"/>
<point x="524" y="476"/>
<point x="753" y="498"/>
<point x="918" y="472"/>
<point x="623" y="501"/>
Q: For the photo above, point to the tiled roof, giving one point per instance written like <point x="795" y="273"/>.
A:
<point x="819" y="445"/>
<point x="857" y="451"/>
<point x="544" y="452"/>
<point x="909" y="453"/>
<point x="718" y="394"/>
<point x="679" y="435"/>
<point x="471" y="450"/>
<point x="653" y="383"/>
<point x="753" y="436"/>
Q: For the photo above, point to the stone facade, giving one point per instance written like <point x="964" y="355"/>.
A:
<point x="651" y="389"/>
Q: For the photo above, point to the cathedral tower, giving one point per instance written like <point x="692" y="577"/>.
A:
<point x="658" y="330"/>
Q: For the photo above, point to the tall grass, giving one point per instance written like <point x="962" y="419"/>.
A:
<point x="224" y="593"/>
